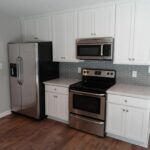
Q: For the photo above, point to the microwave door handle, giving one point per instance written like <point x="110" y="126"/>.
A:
<point x="101" y="50"/>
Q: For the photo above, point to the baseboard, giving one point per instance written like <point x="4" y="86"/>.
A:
<point x="142" y="144"/>
<point x="57" y="119"/>
<point x="6" y="113"/>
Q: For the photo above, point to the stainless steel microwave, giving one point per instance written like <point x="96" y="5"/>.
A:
<point x="95" y="48"/>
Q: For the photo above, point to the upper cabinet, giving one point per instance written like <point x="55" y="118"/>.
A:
<point x="132" y="33"/>
<point x="37" y="29"/>
<point x="97" y="22"/>
<point x="64" y="37"/>
<point x="141" y="51"/>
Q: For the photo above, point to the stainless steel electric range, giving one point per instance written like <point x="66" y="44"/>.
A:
<point x="87" y="100"/>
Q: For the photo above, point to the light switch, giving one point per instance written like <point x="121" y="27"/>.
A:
<point x="134" y="74"/>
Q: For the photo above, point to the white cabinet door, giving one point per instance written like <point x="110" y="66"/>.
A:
<point x="44" y="29"/>
<point x="136" y="124"/>
<point x="59" y="37"/>
<point x="50" y="104"/>
<point x="124" y="32"/>
<point x="62" y="107"/>
<point x="115" y="119"/>
<point x="29" y="29"/>
<point x="104" y="21"/>
<point x="85" y="23"/>
<point x="71" y="24"/>
<point x="141" y="53"/>
<point x="56" y="105"/>
<point x="37" y="29"/>
<point x="64" y="37"/>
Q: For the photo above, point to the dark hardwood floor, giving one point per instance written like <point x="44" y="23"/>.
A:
<point x="21" y="133"/>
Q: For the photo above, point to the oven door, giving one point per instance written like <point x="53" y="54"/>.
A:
<point x="88" y="51"/>
<point x="87" y="104"/>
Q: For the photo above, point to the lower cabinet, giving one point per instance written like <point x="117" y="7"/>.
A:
<point x="57" y="105"/>
<point x="127" y="122"/>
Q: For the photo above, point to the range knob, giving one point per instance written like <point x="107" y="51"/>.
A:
<point x="85" y="71"/>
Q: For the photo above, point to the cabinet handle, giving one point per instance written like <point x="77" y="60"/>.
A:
<point x="123" y="110"/>
<point x="55" y="96"/>
<point x="127" y="110"/>
<point x="125" y="101"/>
<point x="129" y="59"/>
<point x="133" y="59"/>
<point x="92" y="33"/>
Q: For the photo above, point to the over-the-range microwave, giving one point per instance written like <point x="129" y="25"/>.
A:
<point x="95" y="48"/>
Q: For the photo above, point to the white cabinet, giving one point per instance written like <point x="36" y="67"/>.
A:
<point x="128" y="119"/>
<point x="141" y="52"/>
<point x="37" y="29"/>
<point x="132" y="33"/>
<point x="123" y="32"/>
<point x="136" y="125"/>
<point x="85" y="23"/>
<point x="97" y="22"/>
<point x="115" y="119"/>
<point x="57" y="102"/>
<point x="64" y="37"/>
<point x="59" y="37"/>
<point x="29" y="29"/>
<point x="44" y="28"/>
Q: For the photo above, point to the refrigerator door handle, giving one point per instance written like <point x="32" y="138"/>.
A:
<point x="21" y="70"/>
<point x="18" y="69"/>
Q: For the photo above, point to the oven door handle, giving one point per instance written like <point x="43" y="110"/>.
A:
<point x="87" y="93"/>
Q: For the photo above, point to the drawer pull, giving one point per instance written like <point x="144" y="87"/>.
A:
<point x="125" y="101"/>
<point x="123" y="110"/>
<point x="127" y="110"/>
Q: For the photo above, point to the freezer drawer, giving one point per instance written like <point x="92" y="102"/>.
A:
<point x="87" y="124"/>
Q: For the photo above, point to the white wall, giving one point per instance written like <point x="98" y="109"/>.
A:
<point x="9" y="31"/>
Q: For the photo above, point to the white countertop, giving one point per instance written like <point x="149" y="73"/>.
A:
<point x="61" y="82"/>
<point x="130" y="90"/>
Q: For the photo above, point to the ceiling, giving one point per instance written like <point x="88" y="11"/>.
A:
<point x="23" y="8"/>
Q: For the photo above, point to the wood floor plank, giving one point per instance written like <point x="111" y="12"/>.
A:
<point x="21" y="133"/>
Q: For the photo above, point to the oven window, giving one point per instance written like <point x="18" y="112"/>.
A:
<point x="86" y="103"/>
<point x="107" y="50"/>
<point x="88" y="50"/>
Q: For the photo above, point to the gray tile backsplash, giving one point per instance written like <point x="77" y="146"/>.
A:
<point x="124" y="72"/>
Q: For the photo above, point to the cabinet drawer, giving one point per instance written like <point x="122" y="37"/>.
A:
<point x="56" y="89"/>
<point x="128" y="101"/>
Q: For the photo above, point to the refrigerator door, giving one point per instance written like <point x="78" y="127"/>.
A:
<point x="15" y="88"/>
<point x="29" y="79"/>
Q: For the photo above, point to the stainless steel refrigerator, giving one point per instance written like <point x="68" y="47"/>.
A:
<point x="30" y="65"/>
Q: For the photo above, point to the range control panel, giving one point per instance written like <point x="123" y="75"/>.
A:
<point x="99" y="73"/>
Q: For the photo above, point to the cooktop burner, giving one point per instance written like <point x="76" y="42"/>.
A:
<point x="95" y="81"/>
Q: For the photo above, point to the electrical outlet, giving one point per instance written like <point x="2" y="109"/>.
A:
<point x="79" y="69"/>
<point x="134" y="74"/>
